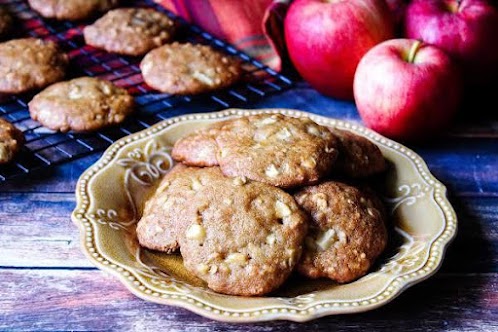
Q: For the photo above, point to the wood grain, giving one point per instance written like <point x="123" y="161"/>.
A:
<point x="36" y="230"/>
<point x="93" y="301"/>
<point x="468" y="167"/>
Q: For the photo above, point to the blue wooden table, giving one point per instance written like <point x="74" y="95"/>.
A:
<point x="47" y="284"/>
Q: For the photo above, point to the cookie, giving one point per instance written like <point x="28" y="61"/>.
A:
<point x="246" y="236"/>
<point x="82" y="104"/>
<point x="11" y="141"/>
<point x="276" y="149"/>
<point x="199" y="148"/>
<point x="71" y="10"/>
<point x="6" y="22"/>
<point x="130" y="31"/>
<point x="188" y="69"/>
<point x="358" y="156"/>
<point x="168" y="211"/>
<point x="347" y="232"/>
<point x="30" y="63"/>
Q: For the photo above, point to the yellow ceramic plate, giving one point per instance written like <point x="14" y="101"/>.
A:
<point x="111" y="193"/>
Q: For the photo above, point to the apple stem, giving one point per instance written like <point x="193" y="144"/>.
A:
<point x="413" y="50"/>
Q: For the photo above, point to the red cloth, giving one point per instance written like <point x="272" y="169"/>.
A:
<point x="246" y="24"/>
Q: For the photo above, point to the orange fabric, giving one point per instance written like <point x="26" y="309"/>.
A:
<point x="246" y="24"/>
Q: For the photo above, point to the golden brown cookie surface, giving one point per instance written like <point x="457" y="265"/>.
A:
<point x="30" y="63"/>
<point x="199" y="148"/>
<point x="279" y="150"/>
<point x="11" y="141"/>
<point x="188" y="69"/>
<point x="347" y="232"/>
<point x="169" y="210"/>
<point x="246" y="236"/>
<point x="358" y="157"/>
<point x="71" y="9"/>
<point x="230" y="230"/>
<point x="130" y="31"/>
<point x="82" y="104"/>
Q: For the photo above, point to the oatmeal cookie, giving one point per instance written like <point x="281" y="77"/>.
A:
<point x="130" y="31"/>
<point x="246" y="236"/>
<point x="71" y="10"/>
<point x="170" y="209"/>
<point x="11" y="141"/>
<point x="347" y="232"/>
<point x="276" y="149"/>
<point x="358" y="156"/>
<point x="82" y="104"/>
<point x="188" y="69"/>
<point x="30" y="63"/>
<point x="199" y="148"/>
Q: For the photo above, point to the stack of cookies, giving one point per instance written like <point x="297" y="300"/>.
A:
<point x="254" y="198"/>
<point x="87" y="103"/>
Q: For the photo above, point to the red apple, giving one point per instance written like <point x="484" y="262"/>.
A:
<point x="466" y="29"/>
<point x="407" y="90"/>
<point x="326" y="39"/>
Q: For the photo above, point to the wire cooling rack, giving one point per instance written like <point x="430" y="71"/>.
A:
<point x="45" y="148"/>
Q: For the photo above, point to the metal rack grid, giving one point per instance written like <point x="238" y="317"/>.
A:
<point x="45" y="148"/>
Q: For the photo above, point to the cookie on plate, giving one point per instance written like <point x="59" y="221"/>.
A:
<point x="130" y="31"/>
<point x="11" y="141"/>
<point x="168" y="211"/>
<point x="276" y="149"/>
<point x="30" y="63"/>
<point x="71" y="10"/>
<point x="358" y="156"/>
<point x="199" y="148"/>
<point x="347" y="232"/>
<point x="6" y="22"/>
<point x="246" y="236"/>
<point x="82" y="104"/>
<point x="188" y="69"/>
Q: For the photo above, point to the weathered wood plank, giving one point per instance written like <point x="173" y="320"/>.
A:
<point x="475" y="248"/>
<point x="47" y="300"/>
<point x="468" y="167"/>
<point x="36" y="231"/>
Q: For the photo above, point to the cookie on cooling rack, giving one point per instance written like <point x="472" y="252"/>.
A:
<point x="82" y="104"/>
<point x="30" y="63"/>
<point x="71" y="9"/>
<point x="358" y="157"/>
<point x="189" y="69"/>
<point x="11" y="141"/>
<point x="346" y="235"/>
<point x="6" y="22"/>
<point x="273" y="148"/>
<point x="130" y="31"/>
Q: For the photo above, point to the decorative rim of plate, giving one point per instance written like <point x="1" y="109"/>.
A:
<point x="302" y="313"/>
